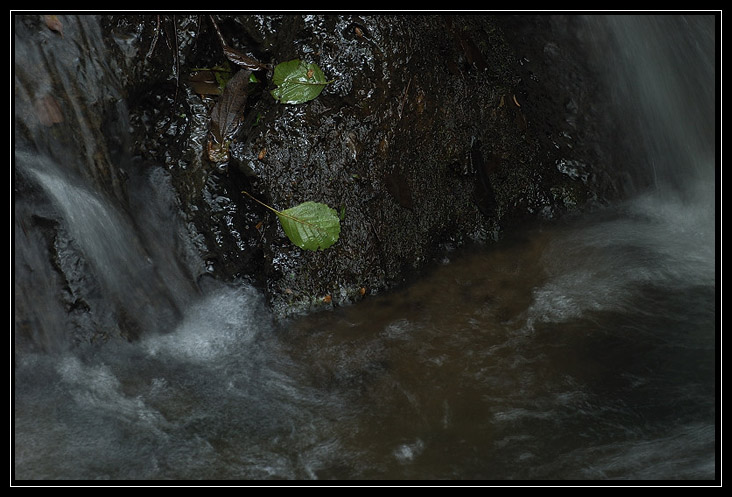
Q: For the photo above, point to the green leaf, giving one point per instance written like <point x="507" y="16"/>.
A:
<point x="310" y="225"/>
<point x="297" y="82"/>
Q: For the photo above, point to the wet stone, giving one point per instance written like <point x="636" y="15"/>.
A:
<point x="428" y="135"/>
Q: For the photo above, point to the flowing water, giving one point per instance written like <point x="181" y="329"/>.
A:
<point x="585" y="349"/>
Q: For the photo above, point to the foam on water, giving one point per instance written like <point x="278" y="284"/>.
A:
<point x="653" y="240"/>
<point x="226" y="319"/>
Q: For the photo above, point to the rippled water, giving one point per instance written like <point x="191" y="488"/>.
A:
<point x="584" y="349"/>
<point x="581" y="351"/>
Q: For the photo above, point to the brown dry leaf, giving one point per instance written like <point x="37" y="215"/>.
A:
<point x="54" y="24"/>
<point x="243" y="60"/>
<point x="229" y="110"/>
<point x="204" y="83"/>
<point x="235" y="56"/>
<point x="48" y="111"/>
<point x="227" y="115"/>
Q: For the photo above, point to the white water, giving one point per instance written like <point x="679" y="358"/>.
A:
<point x="582" y="350"/>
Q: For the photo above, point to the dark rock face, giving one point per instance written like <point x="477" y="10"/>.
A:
<point x="436" y="131"/>
<point x="430" y="136"/>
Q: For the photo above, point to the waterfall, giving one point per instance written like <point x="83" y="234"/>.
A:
<point x="660" y="70"/>
<point x="100" y="247"/>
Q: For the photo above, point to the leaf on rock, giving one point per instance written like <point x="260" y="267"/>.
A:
<point x="310" y="225"/>
<point x="205" y="82"/>
<point x="297" y="82"/>
<point x="235" y="56"/>
<point x="54" y="24"/>
<point x="243" y="60"/>
<point x="229" y="110"/>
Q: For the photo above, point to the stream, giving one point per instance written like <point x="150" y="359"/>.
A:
<point x="585" y="348"/>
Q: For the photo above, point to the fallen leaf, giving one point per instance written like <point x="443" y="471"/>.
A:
<point x="297" y="82"/>
<point x="310" y="225"/>
<point x="227" y="115"/>
<point x="205" y="83"/>
<point x="228" y="111"/>
<point x="54" y="24"/>
<point x="235" y="56"/>
<point x="243" y="60"/>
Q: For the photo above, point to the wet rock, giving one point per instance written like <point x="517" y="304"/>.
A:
<point x="435" y="131"/>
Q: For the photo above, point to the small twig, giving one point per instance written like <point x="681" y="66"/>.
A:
<point x="404" y="98"/>
<point x="218" y="32"/>
<point x="176" y="56"/>
<point x="155" y="39"/>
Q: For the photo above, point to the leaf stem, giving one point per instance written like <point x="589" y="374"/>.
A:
<point x="261" y="203"/>
<point x="284" y="214"/>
